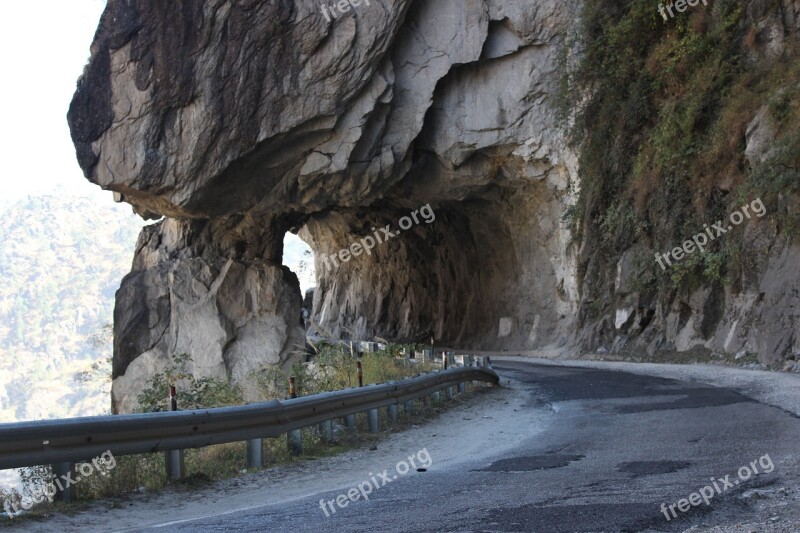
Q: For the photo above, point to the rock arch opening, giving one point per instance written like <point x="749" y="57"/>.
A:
<point x="299" y="257"/>
<point x="268" y="119"/>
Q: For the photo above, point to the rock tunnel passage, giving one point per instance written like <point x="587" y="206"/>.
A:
<point x="329" y="129"/>
<point x="238" y="122"/>
<point x="443" y="278"/>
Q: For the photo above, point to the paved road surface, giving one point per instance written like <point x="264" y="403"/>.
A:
<point x="618" y="446"/>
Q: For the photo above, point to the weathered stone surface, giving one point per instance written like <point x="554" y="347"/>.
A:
<point x="241" y="120"/>
<point x="760" y="134"/>
<point x="233" y="316"/>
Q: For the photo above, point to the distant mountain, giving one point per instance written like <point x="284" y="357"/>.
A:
<point x="61" y="261"/>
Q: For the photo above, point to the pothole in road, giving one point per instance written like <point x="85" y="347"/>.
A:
<point x="531" y="463"/>
<point x="651" y="468"/>
<point x="575" y="518"/>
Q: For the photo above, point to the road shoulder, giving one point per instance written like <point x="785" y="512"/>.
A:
<point x="483" y="423"/>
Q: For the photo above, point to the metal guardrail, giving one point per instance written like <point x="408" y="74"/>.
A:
<point x="75" y="440"/>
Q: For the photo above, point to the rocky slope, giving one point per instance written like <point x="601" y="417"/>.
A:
<point x="240" y="121"/>
<point x="691" y="129"/>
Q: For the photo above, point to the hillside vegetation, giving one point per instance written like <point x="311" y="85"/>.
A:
<point x="61" y="260"/>
<point x="665" y="107"/>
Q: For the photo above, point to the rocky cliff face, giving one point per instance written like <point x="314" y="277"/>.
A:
<point x="705" y="118"/>
<point x="238" y="121"/>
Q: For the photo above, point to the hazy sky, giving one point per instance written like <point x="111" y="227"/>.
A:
<point x="44" y="46"/>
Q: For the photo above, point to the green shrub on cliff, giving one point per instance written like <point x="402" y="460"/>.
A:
<point x="663" y="110"/>
<point x="193" y="392"/>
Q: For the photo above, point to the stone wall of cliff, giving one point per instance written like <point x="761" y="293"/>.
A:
<point x="680" y="122"/>
<point x="238" y="121"/>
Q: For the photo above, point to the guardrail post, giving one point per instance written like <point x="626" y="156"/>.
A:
<point x="173" y="459"/>
<point x="437" y="396"/>
<point x="65" y="493"/>
<point x="294" y="439"/>
<point x="409" y="407"/>
<point x="350" y="422"/>
<point x="374" y="425"/>
<point x="450" y="393"/>
<point x="254" y="453"/>
<point x="391" y="410"/>
<point x="326" y="431"/>
<point x="295" y="442"/>
<point x="462" y="388"/>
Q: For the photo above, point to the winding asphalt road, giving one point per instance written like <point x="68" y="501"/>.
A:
<point x="617" y="447"/>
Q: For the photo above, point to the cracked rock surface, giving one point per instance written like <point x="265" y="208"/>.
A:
<point x="233" y="122"/>
<point x="237" y="121"/>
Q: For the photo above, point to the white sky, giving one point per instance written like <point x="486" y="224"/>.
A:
<point x="44" y="46"/>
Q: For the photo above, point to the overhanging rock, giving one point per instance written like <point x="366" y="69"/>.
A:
<point x="239" y="121"/>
